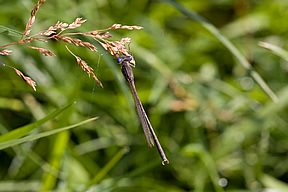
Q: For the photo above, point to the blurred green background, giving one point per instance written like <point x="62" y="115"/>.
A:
<point x="220" y="131"/>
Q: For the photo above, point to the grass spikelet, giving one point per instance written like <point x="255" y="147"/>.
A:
<point x="76" y="23"/>
<point x="77" y="42"/>
<point x="43" y="51"/>
<point x="128" y="27"/>
<point x="59" y="32"/>
<point x="5" y="52"/>
<point x="85" y="67"/>
<point x="28" y="80"/>
<point x="32" y="17"/>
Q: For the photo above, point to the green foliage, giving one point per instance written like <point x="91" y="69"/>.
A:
<point x="211" y="75"/>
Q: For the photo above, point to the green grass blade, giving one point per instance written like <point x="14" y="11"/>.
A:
<point x="10" y="31"/>
<point x="60" y="145"/>
<point x="150" y="58"/>
<point x="214" y="31"/>
<point x="273" y="183"/>
<point x="22" y="131"/>
<point x="14" y="185"/>
<point x="275" y="50"/>
<point x="11" y="143"/>
<point x="104" y="171"/>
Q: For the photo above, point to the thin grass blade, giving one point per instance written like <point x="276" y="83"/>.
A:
<point x="14" y="142"/>
<point x="21" y="131"/>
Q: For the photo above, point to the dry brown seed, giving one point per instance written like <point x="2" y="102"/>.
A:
<point x="131" y="27"/>
<point x="76" y="23"/>
<point x="28" y="80"/>
<point x="115" y="26"/>
<point x="43" y="51"/>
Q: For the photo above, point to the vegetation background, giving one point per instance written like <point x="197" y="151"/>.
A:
<point x="220" y="130"/>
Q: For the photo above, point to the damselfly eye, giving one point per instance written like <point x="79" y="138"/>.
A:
<point x="119" y="60"/>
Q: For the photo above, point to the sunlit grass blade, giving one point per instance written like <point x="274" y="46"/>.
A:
<point x="22" y="131"/>
<point x="14" y="142"/>
<point x="234" y="51"/>
<point x="153" y="60"/>
<point x="272" y="108"/>
<point x="15" y="185"/>
<point x="275" y="50"/>
<point x="273" y="183"/>
<point x="12" y="104"/>
<point x="59" y="147"/>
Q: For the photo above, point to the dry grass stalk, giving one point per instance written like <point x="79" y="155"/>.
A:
<point x="76" y="42"/>
<point x="58" y="32"/>
<point x="76" y="23"/>
<point x="89" y="70"/>
<point x="98" y="35"/>
<point x="43" y="51"/>
<point x="32" y="17"/>
<point x="28" y="80"/>
<point x="117" y="48"/>
<point x="85" y="67"/>
<point x="62" y="26"/>
<point x="129" y="27"/>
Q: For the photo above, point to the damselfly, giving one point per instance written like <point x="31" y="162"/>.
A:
<point x="127" y="62"/>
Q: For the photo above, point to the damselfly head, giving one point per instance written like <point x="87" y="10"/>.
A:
<point x="126" y="58"/>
